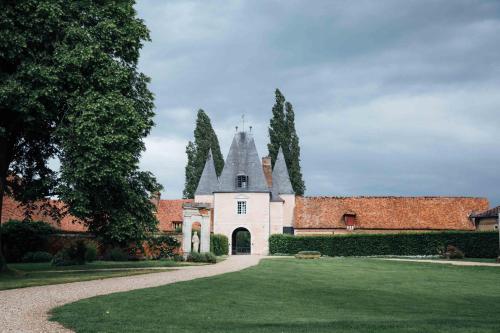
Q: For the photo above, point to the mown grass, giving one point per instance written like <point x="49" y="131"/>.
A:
<point x="101" y="264"/>
<point x="22" y="275"/>
<point x="292" y="295"/>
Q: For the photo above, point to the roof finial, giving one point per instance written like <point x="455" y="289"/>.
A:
<point x="236" y="127"/>
<point x="243" y="121"/>
<point x="250" y="128"/>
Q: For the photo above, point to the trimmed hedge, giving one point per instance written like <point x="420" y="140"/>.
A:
<point x="219" y="244"/>
<point x="473" y="244"/>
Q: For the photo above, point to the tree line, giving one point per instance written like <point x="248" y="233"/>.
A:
<point x="282" y="134"/>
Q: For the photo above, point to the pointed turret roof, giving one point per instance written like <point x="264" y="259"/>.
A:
<point x="243" y="159"/>
<point x="208" y="181"/>
<point x="281" y="179"/>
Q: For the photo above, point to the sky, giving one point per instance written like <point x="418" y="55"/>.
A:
<point x="391" y="97"/>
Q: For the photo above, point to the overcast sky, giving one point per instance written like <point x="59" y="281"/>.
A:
<point x="391" y="97"/>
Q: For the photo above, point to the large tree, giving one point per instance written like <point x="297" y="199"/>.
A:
<point x="205" y="139"/>
<point x="66" y="68"/>
<point x="282" y="134"/>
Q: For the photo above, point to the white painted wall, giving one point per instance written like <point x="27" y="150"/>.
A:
<point x="288" y="209"/>
<point x="277" y="217"/>
<point x="257" y="219"/>
<point x="205" y="198"/>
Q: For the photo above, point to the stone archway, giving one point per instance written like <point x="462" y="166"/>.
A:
<point x="241" y="241"/>
<point x="195" y="215"/>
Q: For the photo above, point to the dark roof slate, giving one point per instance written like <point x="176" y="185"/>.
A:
<point x="281" y="179"/>
<point x="493" y="212"/>
<point x="243" y="159"/>
<point x="208" y="181"/>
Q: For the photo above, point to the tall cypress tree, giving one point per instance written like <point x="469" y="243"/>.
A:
<point x="282" y="134"/>
<point x="197" y="153"/>
<point x="293" y="152"/>
<point x="277" y="128"/>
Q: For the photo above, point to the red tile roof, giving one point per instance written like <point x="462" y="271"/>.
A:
<point x="410" y="213"/>
<point x="169" y="211"/>
<point x="12" y="210"/>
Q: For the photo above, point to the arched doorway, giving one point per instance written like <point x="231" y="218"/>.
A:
<point x="241" y="241"/>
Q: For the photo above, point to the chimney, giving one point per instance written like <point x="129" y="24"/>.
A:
<point x="268" y="172"/>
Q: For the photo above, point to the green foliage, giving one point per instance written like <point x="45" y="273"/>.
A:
<point x="205" y="139"/>
<point x="109" y="115"/>
<point x="19" y="237"/>
<point x="282" y="134"/>
<point x="76" y="253"/>
<point x="91" y="252"/>
<point x="452" y="252"/>
<point x="207" y="257"/>
<point x="474" y="244"/>
<point x="37" y="256"/>
<point x="69" y="87"/>
<point x="219" y="244"/>
<point x="163" y="246"/>
<point x="116" y="254"/>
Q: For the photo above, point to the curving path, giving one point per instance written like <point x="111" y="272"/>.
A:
<point x="26" y="309"/>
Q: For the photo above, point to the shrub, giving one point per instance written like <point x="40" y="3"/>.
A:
<point x="116" y="254"/>
<point x="474" y="244"/>
<point x="91" y="251"/>
<point x="37" y="256"/>
<point x="62" y="258"/>
<point x="219" y="244"/>
<point x="163" y="246"/>
<point x="202" y="257"/>
<point x="73" y="254"/>
<point x="18" y="238"/>
<point x="453" y="252"/>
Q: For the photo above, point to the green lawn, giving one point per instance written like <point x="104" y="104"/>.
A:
<point x="38" y="274"/>
<point x="101" y="264"/>
<point x="291" y="295"/>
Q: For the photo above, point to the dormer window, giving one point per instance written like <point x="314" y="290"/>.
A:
<point x="241" y="181"/>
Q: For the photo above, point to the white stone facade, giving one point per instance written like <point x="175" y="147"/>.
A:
<point x="241" y="198"/>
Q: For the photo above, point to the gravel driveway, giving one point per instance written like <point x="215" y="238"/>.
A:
<point x="25" y="310"/>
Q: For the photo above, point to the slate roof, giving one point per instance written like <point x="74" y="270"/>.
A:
<point x="208" y="181"/>
<point x="493" y="212"/>
<point x="281" y="179"/>
<point x="243" y="159"/>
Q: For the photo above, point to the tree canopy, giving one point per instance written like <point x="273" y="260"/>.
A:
<point x="282" y="134"/>
<point x="205" y="139"/>
<point x="69" y="88"/>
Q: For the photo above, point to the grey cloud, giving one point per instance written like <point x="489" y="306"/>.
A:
<point x="391" y="97"/>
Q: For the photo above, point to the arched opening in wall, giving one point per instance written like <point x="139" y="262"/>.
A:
<point x="195" y="241"/>
<point x="241" y="241"/>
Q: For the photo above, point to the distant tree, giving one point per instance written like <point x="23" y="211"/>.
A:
<point x="66" y="68"/>
<point x="282" y="134"/>
<point x="293" y="152"/>
<point x="205" y="139"/>
<point x="277" y="128"/>
<point x="190" y="171"/>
